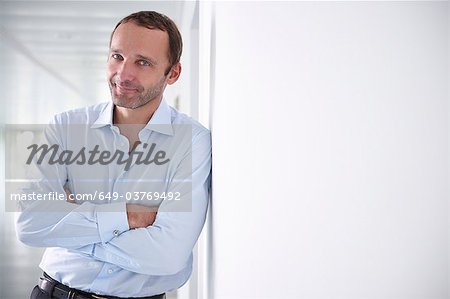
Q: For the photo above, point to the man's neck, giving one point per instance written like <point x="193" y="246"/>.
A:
<point x="131" y="121"/>
<point x="141" y="115"/>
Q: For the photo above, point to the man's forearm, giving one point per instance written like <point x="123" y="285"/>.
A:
<point x="139" y="216"/>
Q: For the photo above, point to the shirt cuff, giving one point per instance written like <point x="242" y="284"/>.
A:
<point x="112" y="220"/>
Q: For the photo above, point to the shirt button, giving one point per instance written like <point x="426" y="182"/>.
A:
<point x="116" y="232"/>
<point x="110" y="271"/>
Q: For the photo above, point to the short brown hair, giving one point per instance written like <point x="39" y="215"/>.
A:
<point x="155" y="20"/>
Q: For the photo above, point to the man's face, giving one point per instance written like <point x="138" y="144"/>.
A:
<point x="138" y="58"/>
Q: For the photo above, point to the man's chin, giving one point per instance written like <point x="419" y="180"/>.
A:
<point x="128" y="103"/>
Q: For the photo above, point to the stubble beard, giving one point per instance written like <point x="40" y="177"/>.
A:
<point x="138" y="100"/>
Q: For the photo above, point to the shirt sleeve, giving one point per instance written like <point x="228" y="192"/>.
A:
<point x="164" y="248"/>
<point x="58" y="223"/>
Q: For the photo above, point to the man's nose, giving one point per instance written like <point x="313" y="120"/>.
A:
<point x="125" y="71"/>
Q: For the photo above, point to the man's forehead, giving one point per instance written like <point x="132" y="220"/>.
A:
<point x="131" y="29"/>
<point x="144" y="41"/>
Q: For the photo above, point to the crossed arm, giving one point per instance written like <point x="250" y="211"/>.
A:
<point x="112" y="232"/>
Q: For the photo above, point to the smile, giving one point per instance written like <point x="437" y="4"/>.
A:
<point x="124" y="89"/>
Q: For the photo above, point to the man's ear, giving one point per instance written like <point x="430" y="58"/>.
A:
<point x="174" y="73"/>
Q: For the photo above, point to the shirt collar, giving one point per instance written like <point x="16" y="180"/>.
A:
<point x="161" y="120"/>
<point x="105" y="117"/>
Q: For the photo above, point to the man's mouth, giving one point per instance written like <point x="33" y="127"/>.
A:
<point x="125" y="89"/>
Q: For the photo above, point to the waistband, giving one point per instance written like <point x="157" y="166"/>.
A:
<point x="58" y="290"/>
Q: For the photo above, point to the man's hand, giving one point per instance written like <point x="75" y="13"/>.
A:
<point x="140" y="216"/>
<point x="68" y="194"/>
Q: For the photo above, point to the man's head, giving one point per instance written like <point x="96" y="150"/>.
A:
<point x="144" y="57"/>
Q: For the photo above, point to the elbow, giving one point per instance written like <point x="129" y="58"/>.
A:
<point x="25" y="238"/>
<point x="25" y="234"/>
<point x="173" y="267"/>
<point x="168" y="264"/>
<point x="31" y="238"/>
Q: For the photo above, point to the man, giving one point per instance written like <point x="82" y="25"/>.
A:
<point x="134" y="237"/>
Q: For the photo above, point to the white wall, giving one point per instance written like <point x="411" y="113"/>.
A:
<point x="330" y="150"/>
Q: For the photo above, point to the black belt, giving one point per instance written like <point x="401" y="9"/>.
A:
<point x="58" y="290"/>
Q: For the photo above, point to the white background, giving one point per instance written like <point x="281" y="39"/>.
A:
<point x="330" y="150"/>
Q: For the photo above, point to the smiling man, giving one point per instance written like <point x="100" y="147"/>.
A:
<point x="134" y="237"/>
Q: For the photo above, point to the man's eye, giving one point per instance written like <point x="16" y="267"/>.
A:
<point x="116" y="56"/>
<point x="143" y="62"/>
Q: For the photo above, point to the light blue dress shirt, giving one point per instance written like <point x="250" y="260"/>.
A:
<point x="90" y="245"/>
